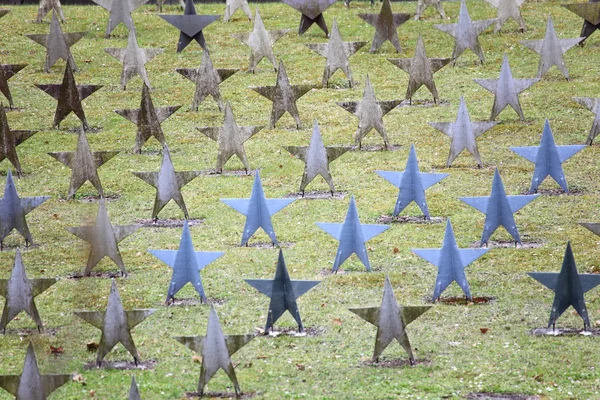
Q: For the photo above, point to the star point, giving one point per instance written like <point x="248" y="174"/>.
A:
<point x="191" y="25"/>
<point x="44" y="8"/>
<point x="590" y="12"/>
<point x="231" y="6"/>
<point x="423" y="4"/>
<point x="119" y="12"/>
<point x="508" y="9"/>
<point x="386" y="24"/>
<point x="9" y="140"/>
<point x="592" y="104"/>
<point x="312" y="13"/>
<point x="7" y="71"/>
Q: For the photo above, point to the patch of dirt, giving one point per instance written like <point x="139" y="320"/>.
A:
<point x="220" y="395"/>
<point x="194" y="301"/>
<point x="388" y="219"/>
<point x="14" y="246"/>
<point x="17" y="109"/>
<point x="32" y="331"/>
<point x="423" y="103"/>
<point x="269" y="245"/>
<point x="91" y="129"/>
<point x="397" y="363"/>
<point x="461" y="301"/>
<point x="499" y="396"/>
<point x="505" y="244"/>
<point x="95" y="198"/>
<point x="565" y="332"/>
<point x="122" y="365"/>
<point x="236" y="172"/>
<point x="81" y="275"/>
<point x="573" y="191"/>
<point x="316" y="195"/>
<point x="311" y="331"/>
<point x="167" y="223"/>
<point x="391" y="147"/>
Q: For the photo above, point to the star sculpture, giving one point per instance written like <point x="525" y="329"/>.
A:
<point x="260" y="42"/>
<point x="231" y="6"/>
<point x="506" y="90"/>
<point x="385" y="23"/>
<point x="590" y="12"/>
<point x="370" y="113"/>
<point x="548" y="159"/>
<point x="116" y="325"/>
<point x="190" y="24"/>
<point x="57" y="44"/>
<point x="10" y="139"/>
<point x="283" y="293"/>
<point x="13" y="210"/>
<point x="451" y="263"/>
<point x="592" y="104"/>
<point x="7" y="71"/>
<point x="465" y="33"/>
<point x="148" y="120"/>
<point x="207" y="79"/>
<point x="120" y="12"/>
<point x="312" y="13"/>
<point x="284" y="97"/>
<point x="134" y="392"/>
<point x="423" y="4"/>
<point x="317" y="158"/>
<point x="391" y="320"/>
<point x="133" y="59"/>
<point x="352" y="236"/>
<point x="337" y="53"/>
<point x="20" y="292"/>
<point x="69" y="96"/>
<point x="551" y="50"/>
<point x="499" y="209"/>
<point x="569" y="287"/>
<point x="84" y="164"/>
<point x="216" y="350"/>
<point x="463" y="133"/>
<point x="186" y="264"/>
<point x="420" y="70"/>
<point x="230" y="138"/>
<point x="508" y="9"/>
<point x="258" y="211"/>
<point x="412" y="184"/>
<point x="31" y="384"/>
<point x="104" y="239"/>
<point x="45" y="7"/>
<point x="168" y="184"/>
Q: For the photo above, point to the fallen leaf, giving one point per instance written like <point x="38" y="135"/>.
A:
<point x="56" y="350"/>
<point x="300" y="367"/>
<point x="396" y="250"/>
<point x="92" y="346"/>
<point x="483" y="330"/>
<point x="79" y="379"/>
<point x="196" y="359"/>
<point x="92" y="393"/>
<point x="337" y="321"/>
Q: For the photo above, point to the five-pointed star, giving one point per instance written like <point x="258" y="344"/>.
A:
<point x="258" y="211"/>
<point x="186" y="264"/>
<point x="207" y="79"/>
<point x="133" y="59"/>
<point x="69" y="96"/>
<point x="548" y="159"/>
<point x="423" y="4"/>
<point x="370" y="113"/>
<point x="551" y="50"/>
<point x="261" y="42"/>
<point x="508" y="9"/>
<point x="590" y="12"/>
<point x="230" y="138"/>
<point x="120" y="12"/>
<point x="592" y="104"/>
<point x="420" y="70"/>
<point x="283" y="293"/>
<point x="84" y="164"/>
<point x="391" y="320"/>
<point x="506" y="90"/>
<point x="116" y="324"/>
<point x="57" y="44"/>
<point x="412" y="184"/>
<point x="284" y="97"/>
<point x="352" y="236"/>
<point x="148" y="120"/>
<point x="168" y="184"/>
<point x="31" y="384"/>
<point x="7" y="71"/>
<point x="317" y="158"/>
<point x="134" y="391"/>
<point x="190" y="24"/>
<point x="231" y="6"/>
<point x="499" y="209"/>
<point x="104" y="239"/>
<point x="337" y="53"/>
<point x="45" y="7"/>
<point x="13" y="210"/>
<point x="312" y="13"/>
<point x="216" y="350"/>
<point x="451" y="262"/>
<point x="465" y="33"/>
<point x="569" y="287"/>
<point x="20" y="292"/>
<point x="463" y="133"/>
<point x="10" y="139"/>
<point x="385" y="24"/>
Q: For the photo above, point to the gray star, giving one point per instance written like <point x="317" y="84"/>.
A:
<point x="10" y="139"/>
<point x="423" y="4"/>
<point x="230" y="138"/>
<point x="593" y="105"/>
<point x="47" y="5"/>
<point x="551" y="50"/>
<point x="590" y="12"/>
<point x="508" y="9"/>
<point x="190" y="25"/>
<point x="120" y="12"/>
<point x="370" y="113"/>
<point x="385" y="23"/>
<point x="231" y="6"/>
<point x="7" y="71"/>
<point x="337" y="53"/>
<point x="506" y="90"/>
<point x="312" y="13"/>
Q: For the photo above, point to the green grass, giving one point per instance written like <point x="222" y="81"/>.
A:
<point x="462" y="360"/>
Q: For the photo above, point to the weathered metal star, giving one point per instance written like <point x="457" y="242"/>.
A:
<point x="590" y="12"/>
<point x="7" y="71"/>
<point x="10" y="139"/>
<point x="120" y="12"/>
<point x="592" y="104"/>
<point x="231" y="6"/>
<point x="45" y="7"/>
<point x="190" y="24"/>
<point x="508" y="9"/>
<point x="423" y="4"/>
<point x="385" y="23"/>
<point x="312" y="13"/>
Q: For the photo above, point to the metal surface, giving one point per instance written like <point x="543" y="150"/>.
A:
<point x="548" y="159"/>
<point x="134" y="392"/>
<point x="370" y="113"/>
<point x="506" y="90"/>
<point x="451" y="263"/>
<point x="316" y="158"/>
<point x="186" y="264"/>
<point x="45" y="7"/>
<point x="10" y="139"/>
<point x="569" y="287"/>
<point x="116" y="325"/>
<point x="385" y="23"/>
<point x="463" y="133"/>
<point x="190" y="24"/>
<point x="420" y="70"/>
<point x="592" y="104"/>
<point x="508" y="9"/>
<point x="590" y="12"/>
<point x="312" y="13"/>
<point x="391" y="320"/>
<point x="230" y="138"/>
<point x="499" y="209"/>
<point x="352" y="236"/>
<point x="216" y="350"/>
<point x="7" y="71"/>
<point x="120" y="12"/>
<point x="231" y="6"/>
<point x="592" y="226"/>
<point x="423" y="4"/>
<point x="3" y="12"/>
<point x="412" y="184"/>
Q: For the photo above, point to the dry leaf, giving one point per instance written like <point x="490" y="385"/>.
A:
<point x="56" y="350"/>
<point x="92" y="346"/>
<point x="337" y="321"/>
<point x="483" y="330"/>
